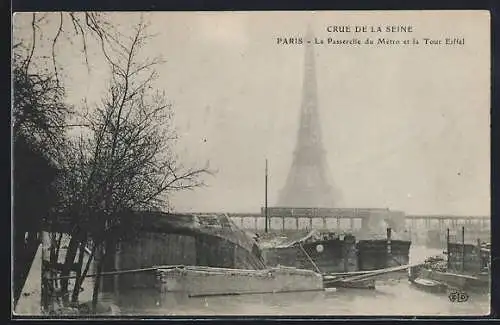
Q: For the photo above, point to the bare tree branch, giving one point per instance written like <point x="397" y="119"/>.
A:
<point x="125" y="160"/>
<point x="33" y="44"/>
<point x="54" y="42"/>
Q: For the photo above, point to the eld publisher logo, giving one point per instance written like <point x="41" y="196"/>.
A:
<point x="458" y="296"/>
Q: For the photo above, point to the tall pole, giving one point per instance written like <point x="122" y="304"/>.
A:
<point x="265" y="201"/>
<point x="447" y="249"/>
<point x="388" y="247"/>
<point x="480" y="266"/>
<point x="463" y="248"/>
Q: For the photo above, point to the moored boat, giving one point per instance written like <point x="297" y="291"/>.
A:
<point x="329" y="252"/>
<point x="210" y="255"/>
<point x="463" y="266"/>
<point x="429" y="285"/>
<point x="457" y="280"/>
<point x="196" y="281"/>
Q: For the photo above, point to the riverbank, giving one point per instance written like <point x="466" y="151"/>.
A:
<point x="30" y="300"/>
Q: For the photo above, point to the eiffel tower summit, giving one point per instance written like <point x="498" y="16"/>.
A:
<point x="308" y="182"/>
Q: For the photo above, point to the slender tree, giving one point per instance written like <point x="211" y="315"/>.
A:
<point x="123" y="161"/>
<point x="40" y="119"/>
<point x="127" y="162"/>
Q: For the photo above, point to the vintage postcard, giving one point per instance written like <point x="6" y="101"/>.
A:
<point x="329" y="163"/>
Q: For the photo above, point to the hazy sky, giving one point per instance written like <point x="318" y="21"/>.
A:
<point x="404" y="127"/>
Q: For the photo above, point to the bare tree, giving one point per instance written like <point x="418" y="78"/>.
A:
<point x="124" y="161"/>
<point x="127" y="163"/>
<point x="40" y="119"/>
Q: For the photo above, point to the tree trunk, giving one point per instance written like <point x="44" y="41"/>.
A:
<point x="97" y="283"/>
<point x="81" y="276"/>
<point x="71" y="251"/>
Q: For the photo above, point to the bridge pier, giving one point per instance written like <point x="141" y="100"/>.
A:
<point x="441" y="225"/>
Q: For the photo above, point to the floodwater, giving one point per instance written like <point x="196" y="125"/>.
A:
<point x="390" y="298"/>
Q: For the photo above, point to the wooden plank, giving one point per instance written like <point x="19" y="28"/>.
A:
<point x="380" y="272"/>
<point x="119" y="272"/>
<point x="340" y="274"/>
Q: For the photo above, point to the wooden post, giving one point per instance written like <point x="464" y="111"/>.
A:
<point x="447" y="249"/>
<point x="325" y="226"/>
<point x="351" y="224"/>
<point x="297" y="222"/>
<point x="338" y="224"/>
<point x="46" y="288"/>
<point x="389" y="247"/>
<point x="463" y="248"/>
<point x="417" y="227"/>
<point x="283" y="223"/>
<point x="345" y="254"/>
<point x="265" y="201"/>
<point x="310" y="223"/>
<point x="116" y="280"/>
<point x="310" y="259"/>
<point x="479" y="260"/>
<point x="235" y="254"/>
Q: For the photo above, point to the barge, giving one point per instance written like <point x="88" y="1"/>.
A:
<point x="196" y="281"/>
<point x="463" y="266"/>
<point x="329" y="252"/>
<point x="194" y="255"/>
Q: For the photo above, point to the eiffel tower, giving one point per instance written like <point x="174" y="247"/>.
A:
<point x="308" y="182"/>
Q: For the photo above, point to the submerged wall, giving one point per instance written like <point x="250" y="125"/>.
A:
<point x="149" y="250"/>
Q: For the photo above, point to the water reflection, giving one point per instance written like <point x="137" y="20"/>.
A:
<point x="400" y="299"/>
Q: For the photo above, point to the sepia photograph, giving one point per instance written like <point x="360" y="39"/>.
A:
<point x="251" y="163"/>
